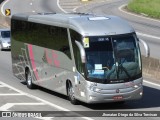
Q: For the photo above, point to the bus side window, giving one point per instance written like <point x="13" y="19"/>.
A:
<point x="55" y="38"/>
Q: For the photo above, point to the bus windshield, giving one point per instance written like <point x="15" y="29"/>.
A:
<point x="113" y="59"/>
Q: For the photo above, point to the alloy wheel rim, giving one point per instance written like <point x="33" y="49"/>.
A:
<point x="71" y="92"/>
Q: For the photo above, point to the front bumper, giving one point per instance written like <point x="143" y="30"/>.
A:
<point x="103" y="93"/>
<point x="104" y="98"/>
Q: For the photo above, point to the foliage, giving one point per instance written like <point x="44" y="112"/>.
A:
<point x="148" y="7"/>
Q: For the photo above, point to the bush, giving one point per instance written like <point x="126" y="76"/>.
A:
<point x="149" y="7"/>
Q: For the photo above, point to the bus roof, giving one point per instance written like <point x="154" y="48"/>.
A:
<point x="85" y="24"/>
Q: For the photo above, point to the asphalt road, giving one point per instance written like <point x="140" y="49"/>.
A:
<point x="14" y="95"/>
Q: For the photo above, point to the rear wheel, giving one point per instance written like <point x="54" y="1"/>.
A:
<point x="30" y="85"/>
<point x="71" y="94"/>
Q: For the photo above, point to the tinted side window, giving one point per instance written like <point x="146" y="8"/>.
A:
<point x="51" y="37"/>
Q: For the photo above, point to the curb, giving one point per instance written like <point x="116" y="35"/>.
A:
<point x="121" y="8"/>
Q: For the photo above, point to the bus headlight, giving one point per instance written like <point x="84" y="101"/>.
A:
<point x="95" y="89"/>
<point x="138" y="85"/>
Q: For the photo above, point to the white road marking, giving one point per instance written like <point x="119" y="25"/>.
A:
<point x="9" y="105"/>
<point x="43" y="101"/>
<point x="75" y="9"/>
<point x="11" y="94"/>
<point x="2" y="86"/>
<point x="151" y="83"/>
<point x="146" y="35"/>
<point x="2" y="6"/>
<point x="61" y="7"/>
<point x="120" y="8"/>
<point x="6" y="85"/>
<point x="31" y="3"/>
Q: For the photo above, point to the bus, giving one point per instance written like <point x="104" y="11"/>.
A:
<point x="87" y="57"/>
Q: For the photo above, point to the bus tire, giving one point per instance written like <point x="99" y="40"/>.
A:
<point x="70" y="92"/>
<point x="29" y="83"/>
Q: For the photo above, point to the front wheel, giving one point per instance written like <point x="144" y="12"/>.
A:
<point x="71" y="94"/>
<point x="30" y="85"/>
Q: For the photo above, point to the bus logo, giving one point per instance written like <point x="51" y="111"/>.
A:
<point x="117" y="91"/>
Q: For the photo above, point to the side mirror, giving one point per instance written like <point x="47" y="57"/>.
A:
<point x="82" y="51"/>
<point x="146" y="46"/>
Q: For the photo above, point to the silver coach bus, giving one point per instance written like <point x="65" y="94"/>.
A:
<point x="89" y="58"/>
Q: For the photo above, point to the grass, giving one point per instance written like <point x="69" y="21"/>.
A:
<point x="149" y="7"/>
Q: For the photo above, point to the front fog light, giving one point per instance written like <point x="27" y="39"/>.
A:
<point x="135" y="86"/>
<point x="92" y="97"/>
<point x="96" y="90"/>
<point x="141" y="93"/>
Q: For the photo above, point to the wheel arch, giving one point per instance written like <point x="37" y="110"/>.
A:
<point x="27" y="68"/>
<point x="67" y="84"/>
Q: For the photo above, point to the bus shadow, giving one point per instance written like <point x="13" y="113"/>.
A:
<point x="150" y="99"/>
<point x="6" y="50"/>
<point x="48" y="91"/>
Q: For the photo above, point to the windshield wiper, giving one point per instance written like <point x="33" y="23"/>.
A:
<point x="120" y="67"/>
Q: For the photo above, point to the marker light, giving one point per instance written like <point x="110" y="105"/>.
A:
<point x="141" y="93"/>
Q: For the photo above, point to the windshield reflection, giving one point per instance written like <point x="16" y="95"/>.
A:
<point x="113" y="59"/>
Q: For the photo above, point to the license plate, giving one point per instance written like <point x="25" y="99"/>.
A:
<point x="118" y="97"/>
